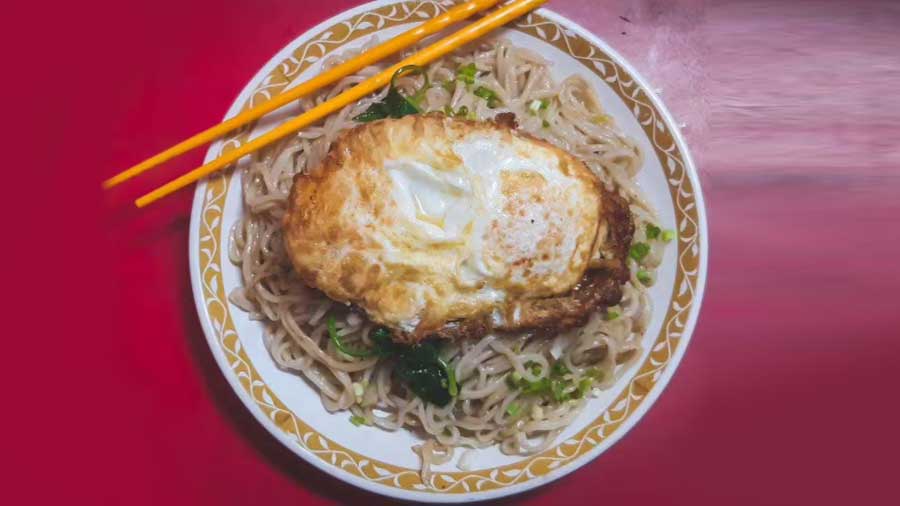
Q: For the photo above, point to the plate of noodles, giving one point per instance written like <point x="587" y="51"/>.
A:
<point x="467" y="285"/>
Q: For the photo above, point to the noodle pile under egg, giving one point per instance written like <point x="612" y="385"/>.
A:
<point x="489" y="409"/>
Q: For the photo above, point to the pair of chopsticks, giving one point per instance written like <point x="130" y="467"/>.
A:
<point x="437" y="50"/>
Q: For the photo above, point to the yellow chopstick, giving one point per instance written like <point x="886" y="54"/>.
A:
<point x="465" y="35"/>
<point x="377" y="53"/>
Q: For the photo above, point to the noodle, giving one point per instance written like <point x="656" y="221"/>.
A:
<point x="479" y="416"/>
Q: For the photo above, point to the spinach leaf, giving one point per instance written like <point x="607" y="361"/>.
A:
<point x="395" y="105"/>
<point x="419" y="366"/>
<point x="421" y="369"/>
<point x="384" y="346"/>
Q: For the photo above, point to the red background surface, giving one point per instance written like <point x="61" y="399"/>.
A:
<point x="787" y="394"/>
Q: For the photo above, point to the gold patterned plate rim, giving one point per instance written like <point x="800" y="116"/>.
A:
<point x="638" y="391"/>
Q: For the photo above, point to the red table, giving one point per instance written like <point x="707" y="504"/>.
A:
<point x="787" y="394"/>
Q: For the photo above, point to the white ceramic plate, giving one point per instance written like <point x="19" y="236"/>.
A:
<point x="381" y="461"/>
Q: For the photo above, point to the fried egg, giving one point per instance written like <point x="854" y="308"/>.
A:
<point x="427" y="220"/>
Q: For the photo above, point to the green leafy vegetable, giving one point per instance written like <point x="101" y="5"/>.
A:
<point x="416" y="98"/>
<point x="466" y="73"/>
<point x="384" y="345"/>
<point x="395" y="105"/>
<point x="358" y="420"/>
<point x="668" y="235"/>
<point x="422" y="370"/>
<point x="644" y="277"/>
<point x="612" y="315"/>
<point x="419" y="366"/>
<point x="346" y="350"/>
<point x="652" y="231"/>
<point x="638" y="251"/>
<point x="489" y="95"/>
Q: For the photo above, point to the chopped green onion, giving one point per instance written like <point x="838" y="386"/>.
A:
<point x="644" y="277"/>
<point x="557" y="390"/>
<point x="488" y="94"/>
<point x="652" y="231"/>
<point x="540" y="386"/>
<point x="513" y="409"/>
<point x="336" y="339"/>
<point x="462" y="112"/>
<point x="448" y="110"/>
<point x="559" y="369"/>
<point x="466" y="73"/>
<point x="514" y="380"/>
<point x="534" y="106"/>
<point x="595" y="374"/>
<point x="449" y="85"/>
<point x="485" y="93"/>
<point x="358" y="420"/>
<point x="638" y="251"/>
<point x="584" y="386"/>
<point x="545" y="124"/>
<point x="534" y="366"/>
<point x="452" y="387"/>
<point x="668" y="235"/>
<point x="612" y="315"/>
